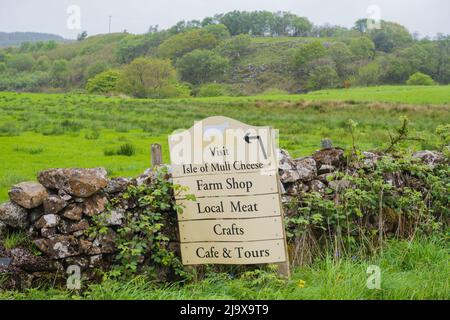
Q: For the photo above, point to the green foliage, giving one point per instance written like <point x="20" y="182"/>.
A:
<point x="21" y="62"/>
<point x="309" y="52"/>
<point x="390" y="36"/>
<point x="219" y="31"/>
<point x="133" y="46"/>
<point x="235" y="47"/>
<point x="126" y="149"/>
<point x="212" y="90"/>
<point x="59" y="73"/>
<point x="183" y="43"/>
<point x="200" y="66"/>
<point x="262" y="23"/>
<point x="321" y="74"/>
<point x="362" y="48"/>
<point x="368" y="75"/>
<point x="420" y="79"/>
<point x="141" y="241"/>
<point x="149" y="78"/>
<point x="342" y="56"/>
<point x="36" y="120"/>
<point x="416" y="270"/>
<point x="104" y="82"/>
<point x="14" y="239"/>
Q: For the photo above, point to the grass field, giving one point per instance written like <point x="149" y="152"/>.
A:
<point x="38" y="131"/>
<point x="409" y="270"/>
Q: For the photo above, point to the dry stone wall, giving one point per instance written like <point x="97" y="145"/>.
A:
<point x="57" y="210"/>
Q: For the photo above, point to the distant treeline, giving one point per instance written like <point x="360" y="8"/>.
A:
<point x="17" y="38"/>
<point x="236" y="53"/>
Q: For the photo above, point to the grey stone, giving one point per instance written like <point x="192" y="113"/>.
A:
<point x="47" y="221"/>
<point x="115" y="217"/>
<point x="287" y="168"/>
<point x="28" y="194"/>
<point x="67" y="226"/>
<point x="306" y="168"/>
<point x="430" y="158"/>
<point x="76" y="182"/>
<point x="331" y="156"/>
<point x="94" y="205"/>
<point x="54" y="204"/>
<point x="326" y="168"/>
<point x="58" y="247"/>
<point x="117" y="185"/>
<point x="13" y="215"/>
<point x="73" y="212"/>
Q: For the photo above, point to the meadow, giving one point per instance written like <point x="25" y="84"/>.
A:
<point x="39" y="131"/>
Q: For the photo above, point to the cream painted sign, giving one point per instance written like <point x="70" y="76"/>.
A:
<point x="231" y="169"/>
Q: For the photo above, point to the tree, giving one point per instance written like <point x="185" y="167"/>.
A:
<point x="368" y="75"/>
<point x="219" y="31"/>
<point x="131" y="47"/>
<point x="321" y="73"/>
<point x="180" y="44"/>
<point x="362" y="48"/>
<point x="59" y="73"/>
<point x="149" y="78"/>
<point x="343" y="58"/>
<point x="105" y="82"/>
<point x="301" y="26"/>
<point x="420" y="79"/>
<point x="309" y="52"/>
<point x="390" y="36"/>
<point x="202" y="66"/>
<point x="95" y="69"/>
<point x="236" y="46"/>
<point x="81" y="36"/>
<point x="42" y="63"/>
<point x="21" y="62"/>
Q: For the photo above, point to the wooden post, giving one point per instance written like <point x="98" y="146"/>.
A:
<point x="156" y="155"/>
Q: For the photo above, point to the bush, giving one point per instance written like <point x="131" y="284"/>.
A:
<point x="126" y="149"/>
<point x="105" y="82"/>
<point x="180" y="44"/>
<point x="202" y="66"/>
<point x="212" y="90"/>
<point x="321" y="74"/>
<point x="369" y="75"/>
<point x="150" y="78"/>
<point x="420" y="79"/>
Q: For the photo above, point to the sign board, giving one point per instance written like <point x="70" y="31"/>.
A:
<point x="231" y="169"/>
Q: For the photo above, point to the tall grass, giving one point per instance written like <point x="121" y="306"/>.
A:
<point x="409" y="270"/>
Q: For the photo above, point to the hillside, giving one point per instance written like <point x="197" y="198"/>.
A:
<point x="224" y="57"/>
<point x="17" y="38"/>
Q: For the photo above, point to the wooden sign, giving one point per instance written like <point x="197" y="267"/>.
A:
<point x="231" y="169"/>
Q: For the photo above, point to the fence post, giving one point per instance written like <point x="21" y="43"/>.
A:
<point x="156" y="155"/>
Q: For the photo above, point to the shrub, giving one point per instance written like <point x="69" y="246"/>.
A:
<point x="420" y="79"/>
<point x="212" y="90"/>
<point x="126" y="149"/>
<point x="105" y="82"/>
<point x="369" y="75"/>
<point x="321" y="74"/>
<point x="308" y="53"/>
<point x="180" y="44"/>
<point x="202" y="66"/>
<point x="22" y="62"/>
<point x="150" y="78"/>
<point x="275" y="92"/>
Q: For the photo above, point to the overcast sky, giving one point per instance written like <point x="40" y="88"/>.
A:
<point x="425" y="16"/>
